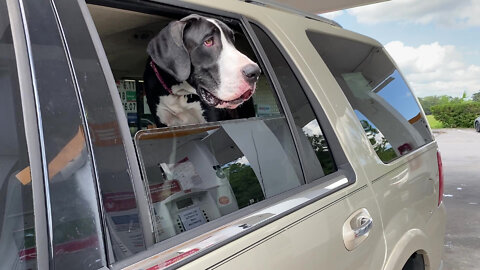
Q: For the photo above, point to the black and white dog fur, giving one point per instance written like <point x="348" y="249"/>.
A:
<point x="196" y="75"/>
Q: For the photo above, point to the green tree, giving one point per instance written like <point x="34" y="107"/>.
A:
<point x="244" y="184"/>
<point x="383" y="148"/>
<point x="430" y="101"/>
<point x="458" y="100"/>
<point x="320" y="146"/>
<point x="454" y="115"/>
<point x="476" y="96"/>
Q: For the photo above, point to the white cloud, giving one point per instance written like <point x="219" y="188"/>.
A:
<point x="453" y="13"/>
<point x="243" y="160"/>
<point x="312" y="128"/>
<point x="435" y="69"/>
<point x="332" y="15"/>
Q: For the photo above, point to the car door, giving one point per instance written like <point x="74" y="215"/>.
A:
<point x="332" y="230"/>
<point x="321" y="212"/>
<point x="68" y="231"/>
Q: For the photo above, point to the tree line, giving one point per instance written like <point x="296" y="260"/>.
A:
<point x="453" y="112"/>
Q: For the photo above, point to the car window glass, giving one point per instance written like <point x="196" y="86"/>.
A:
<point x="382" y="100"/>
<point x="201" y="173"/>
<point x="318" y="157"/>
<point x="76" y="235"/>
<point x="17" y="227"/>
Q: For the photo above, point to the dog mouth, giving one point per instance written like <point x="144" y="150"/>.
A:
<point x="214" y="101"/>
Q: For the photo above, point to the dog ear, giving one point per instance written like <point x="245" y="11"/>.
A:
<point x="192" y="17"/>
<point x="168" y="51"/>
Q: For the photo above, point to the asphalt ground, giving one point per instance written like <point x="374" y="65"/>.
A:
<point x="460" y="149"/>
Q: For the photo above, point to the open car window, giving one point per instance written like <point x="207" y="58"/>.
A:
<point x="125" y="36"/>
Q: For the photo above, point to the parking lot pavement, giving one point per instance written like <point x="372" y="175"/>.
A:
<point x="460" y="149"/>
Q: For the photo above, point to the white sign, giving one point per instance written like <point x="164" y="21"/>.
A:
<point x="192" y="218"/>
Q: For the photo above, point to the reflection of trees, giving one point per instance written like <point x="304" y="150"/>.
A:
<point x="383" y="148"/>
<point x="320" y="146"/>
<point x="74" y="230"/>
<point x="244" y="184"/>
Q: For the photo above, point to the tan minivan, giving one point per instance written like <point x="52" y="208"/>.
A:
<point x="334" y="167"/>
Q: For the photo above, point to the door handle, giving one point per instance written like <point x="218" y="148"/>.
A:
<point x="356" y="228"/>
<point x="365" y="226"/>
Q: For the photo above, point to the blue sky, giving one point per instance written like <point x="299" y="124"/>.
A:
<point x="436" y="43"/>
<point x="402" y="102"/>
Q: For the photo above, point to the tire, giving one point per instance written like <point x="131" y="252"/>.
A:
<point x="477" y="126"/>
<point x="415" y="262"/>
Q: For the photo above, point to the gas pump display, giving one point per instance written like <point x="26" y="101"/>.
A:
<point x="128" y="95"/>
<point x="135" y="105"/>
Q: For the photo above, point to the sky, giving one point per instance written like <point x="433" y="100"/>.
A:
<point x="436" y="43"/>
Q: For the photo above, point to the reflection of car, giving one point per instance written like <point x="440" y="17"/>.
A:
<point x="476" y="124"/>
<point x="338" y="167"/>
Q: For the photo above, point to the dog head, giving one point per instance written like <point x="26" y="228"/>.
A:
<point x="200" y="50"/>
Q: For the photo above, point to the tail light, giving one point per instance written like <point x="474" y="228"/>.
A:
<point x="440" y="178"/>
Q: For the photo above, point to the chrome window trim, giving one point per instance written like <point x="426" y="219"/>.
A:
<point x="34" y="136"/>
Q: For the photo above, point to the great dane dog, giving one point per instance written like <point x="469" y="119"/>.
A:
<point x="195" y="74"/>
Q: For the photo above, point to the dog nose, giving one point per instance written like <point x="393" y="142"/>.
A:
<point x="251" y="73"/>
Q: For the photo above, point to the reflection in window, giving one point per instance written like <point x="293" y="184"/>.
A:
<point x="315" y="137"/>
<point x="17" y="223"/>
<point x="200" y="173"/>
<point x="396" y="93"/>
<point x="380" y="144"/>
<point x="383" y="102"/>
<point x="317" y="157"/>
<point x="393" y="114"/>
<point x="244" y="182"/>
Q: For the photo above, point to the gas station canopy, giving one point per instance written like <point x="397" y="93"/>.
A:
<point x="322" y="6"/>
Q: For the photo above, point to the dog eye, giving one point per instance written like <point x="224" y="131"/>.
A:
<point x="208" y="42"/>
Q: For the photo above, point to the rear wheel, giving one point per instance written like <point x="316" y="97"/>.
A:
<point x="477" y="126"/>
<point x="415" y="262"/>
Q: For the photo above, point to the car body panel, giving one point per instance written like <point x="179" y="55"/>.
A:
<point x="410" y="180"/>
<point x="290" y="242"/>
<point x="304" y="229"/>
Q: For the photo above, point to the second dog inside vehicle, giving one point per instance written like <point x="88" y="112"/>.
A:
<point x="195" y="74"/>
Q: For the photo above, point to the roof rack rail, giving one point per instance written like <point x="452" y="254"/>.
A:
<point x="274" y="4"/>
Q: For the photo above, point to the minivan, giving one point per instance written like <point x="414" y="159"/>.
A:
<point x="336" y="169"/>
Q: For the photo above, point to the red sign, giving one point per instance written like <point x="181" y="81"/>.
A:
<point x="164" y="190"/>
<point x="119" y="201"/>
<point x="224" y="200"/>
<point x="173" y="260"/>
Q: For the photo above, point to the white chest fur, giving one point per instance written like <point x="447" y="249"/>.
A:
<point x="174" y="110"/>
<point x="183" y="88"/>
